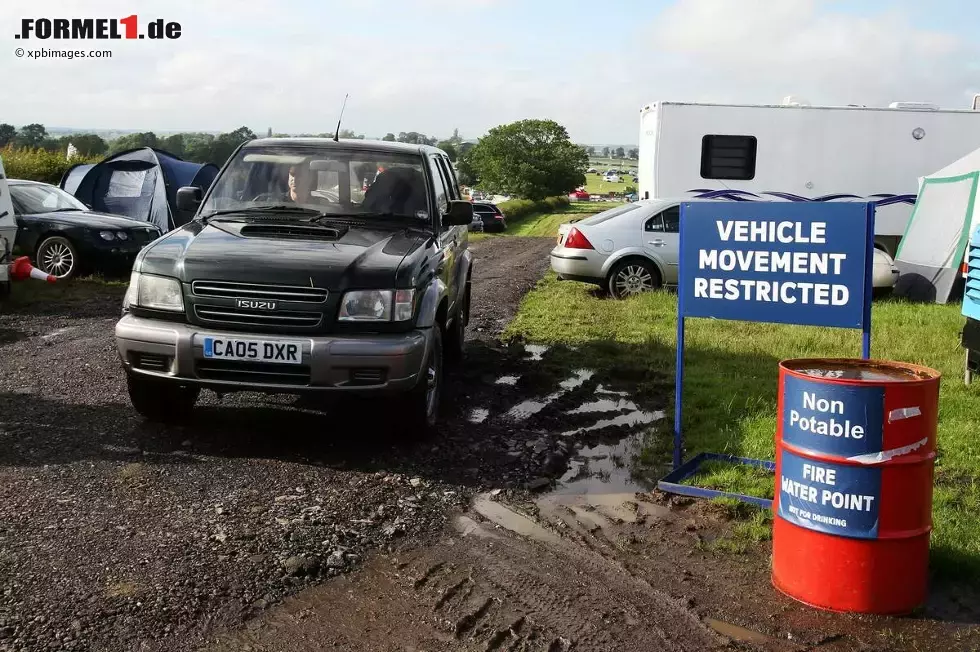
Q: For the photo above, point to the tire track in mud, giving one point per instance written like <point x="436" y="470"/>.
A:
<point x="484" y="588"/>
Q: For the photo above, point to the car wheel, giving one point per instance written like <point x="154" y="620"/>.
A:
<point x="631" y="277"/>
<point x="456" y="335"/>
<point x="160" y="401"/>
<point x="421" y="404"/>
<point x="58" y="257"/>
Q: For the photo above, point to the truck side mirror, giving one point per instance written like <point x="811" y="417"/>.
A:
<point x="460" y="213"/>
<point x="188" y="198"/>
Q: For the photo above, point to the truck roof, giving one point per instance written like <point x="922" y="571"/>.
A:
<point x="798" y="107"/>
<point x="347" y="143"/>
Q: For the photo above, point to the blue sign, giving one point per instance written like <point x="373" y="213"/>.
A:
<point x="779" y="262"/>
<point x="830" y="498"/>
<point x="833" y="419"/>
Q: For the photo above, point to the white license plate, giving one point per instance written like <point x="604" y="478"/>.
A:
<point x="221" y="348"/>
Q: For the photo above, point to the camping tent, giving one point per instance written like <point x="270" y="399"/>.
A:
<point x="139" y="183"/>
<point x="946" y="211"/>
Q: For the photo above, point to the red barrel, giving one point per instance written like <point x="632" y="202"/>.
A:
<point x="855" y="448"/>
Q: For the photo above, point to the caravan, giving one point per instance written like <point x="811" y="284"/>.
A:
<point x="797" y="152"/>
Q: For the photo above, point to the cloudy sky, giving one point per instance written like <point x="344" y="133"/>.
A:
<point x="432" y="65"/>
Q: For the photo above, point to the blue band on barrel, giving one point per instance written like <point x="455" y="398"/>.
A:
<point x="831" y="498"/>
<point x="839" y="420"/>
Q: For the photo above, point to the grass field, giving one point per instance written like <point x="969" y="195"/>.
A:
<point x="597" y="185"/>
<point x="731" y="380"/>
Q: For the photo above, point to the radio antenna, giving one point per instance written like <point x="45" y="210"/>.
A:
<point x="336" y="134"/>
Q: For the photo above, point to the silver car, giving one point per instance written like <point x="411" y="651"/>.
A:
<point x="634" y="248"/>
<point x="628" y="249"/>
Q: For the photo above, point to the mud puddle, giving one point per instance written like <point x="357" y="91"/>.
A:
<point x="604" y="468"/>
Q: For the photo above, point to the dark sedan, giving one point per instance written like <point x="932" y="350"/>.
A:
<point x="493" y="219"/>
<point x="64" y="237"/>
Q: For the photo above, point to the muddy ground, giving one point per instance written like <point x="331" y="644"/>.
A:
<point x="268" y="525"/>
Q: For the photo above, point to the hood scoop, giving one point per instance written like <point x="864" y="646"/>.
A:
<point x="292" y="231"/>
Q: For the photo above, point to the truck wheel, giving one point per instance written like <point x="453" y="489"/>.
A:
<point x="162" y="402"/>
<point x="420" y="407"/>
<point x="456" y="335"/>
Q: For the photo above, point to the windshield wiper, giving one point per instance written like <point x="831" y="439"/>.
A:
<point x="367" y="217"/>
<point x="266" y="210"/>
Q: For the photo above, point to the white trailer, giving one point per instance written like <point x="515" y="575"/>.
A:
<point x="8" y="232"/>
<point x="798" y="152"/>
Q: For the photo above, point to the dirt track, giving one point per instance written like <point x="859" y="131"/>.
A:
<point x="268" y="526"/>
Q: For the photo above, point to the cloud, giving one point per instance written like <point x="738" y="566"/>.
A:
<point x="754" y="50"/>
<point x="419" y="66"/>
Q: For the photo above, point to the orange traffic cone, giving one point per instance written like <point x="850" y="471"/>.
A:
<point x="22" y="269"/>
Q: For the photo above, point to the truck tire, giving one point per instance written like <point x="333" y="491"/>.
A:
<point x="419" y="408"/>
<point x="161" y="402"/>
<point x="456" y="333"/>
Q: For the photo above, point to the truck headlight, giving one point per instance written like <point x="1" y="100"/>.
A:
<point x="154" y="292"/>
<point x="377" y="305"/>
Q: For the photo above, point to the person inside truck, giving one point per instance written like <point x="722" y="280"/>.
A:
<point x="300" y="183"/>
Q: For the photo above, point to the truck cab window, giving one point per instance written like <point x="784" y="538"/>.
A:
<point x="439" y="183"/>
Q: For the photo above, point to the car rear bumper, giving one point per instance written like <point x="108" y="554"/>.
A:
<point x="577" y="264"/>
<point x="363" y="364"/>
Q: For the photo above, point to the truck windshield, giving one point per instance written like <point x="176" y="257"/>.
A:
<point x="330" y="181"/>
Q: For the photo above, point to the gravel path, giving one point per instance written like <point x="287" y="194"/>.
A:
<point x="120" y="535"/>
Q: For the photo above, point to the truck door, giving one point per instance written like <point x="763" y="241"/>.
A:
<point x="662" y="240"/>
<point x="448" y="235"/>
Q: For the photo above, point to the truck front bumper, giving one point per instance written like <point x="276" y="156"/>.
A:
<point x="366" y="364"/>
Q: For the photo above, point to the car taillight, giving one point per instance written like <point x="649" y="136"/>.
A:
<point x="576" y="240"/>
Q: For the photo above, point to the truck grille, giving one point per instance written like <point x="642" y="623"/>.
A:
<point x="229" y="290"/>
<point x="232" y="315"/>
<point x="252" y="372"/>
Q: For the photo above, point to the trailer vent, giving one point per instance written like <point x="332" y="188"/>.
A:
<point x="728" y="157"/>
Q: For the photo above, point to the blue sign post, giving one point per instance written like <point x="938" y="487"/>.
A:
<point x="778" y="262"/>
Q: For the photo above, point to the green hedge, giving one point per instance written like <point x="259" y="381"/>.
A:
<point x="39" y="164"/>
<point x="515" y="209"/>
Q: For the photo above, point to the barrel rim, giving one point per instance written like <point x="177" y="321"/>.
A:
<point x="925" y="375"/>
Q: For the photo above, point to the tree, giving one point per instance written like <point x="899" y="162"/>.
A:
<point x="620" y="152"/>
<point x="225" y="144"/>
<point x="173" y="144"/>
<point x="605" y="152"/>
<point x="449" y="147"/>
<point x="132" y="141"/>
<point x="197" y="147"/>
<point x="464" y="168"/>
<point x="268" y="134"/>
<point x="389" y="137"/>
<point x="634" y="153"/>
<point x="533" y="159"/>
<point x="348" y="133"/>
<point x="456" y="140"/>
<point x="7" y="134"/>
<point x="31" y="135"/>
<point x="590" y="151"/>
<point x="415" y="138"/>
